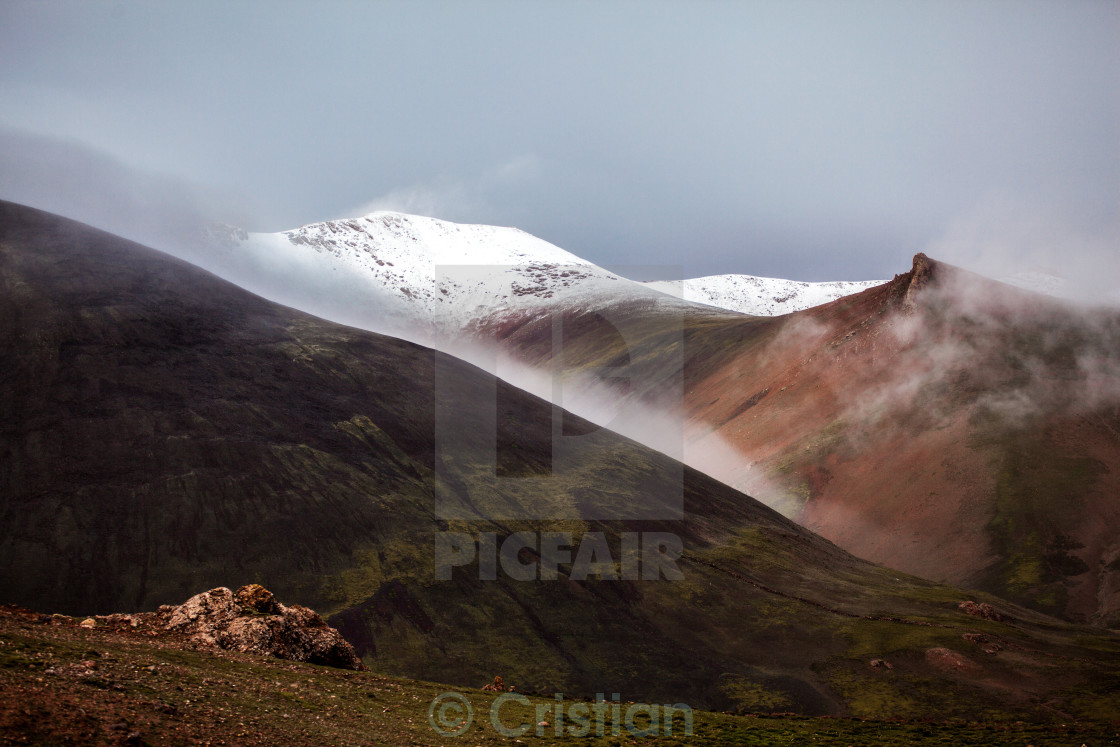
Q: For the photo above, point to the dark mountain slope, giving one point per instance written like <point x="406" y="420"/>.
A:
<point x="164" y="432"/>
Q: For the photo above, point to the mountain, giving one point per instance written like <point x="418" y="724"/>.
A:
<point x="429" y="278"/>
<point x="471" y="289"/>
<point x="943" y="424"/>
<point x="421" y="278"/>
<point x="757" y="296"/>
<point x="1016" y="393"/>
<point x="164" y="431"/>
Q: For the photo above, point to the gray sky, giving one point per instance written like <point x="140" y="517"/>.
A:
<point x="811" y="140"/>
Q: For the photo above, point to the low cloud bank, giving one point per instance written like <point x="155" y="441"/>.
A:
<point x="79" y="182"/>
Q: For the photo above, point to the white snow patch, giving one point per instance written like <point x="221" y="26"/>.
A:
<point x="758" y="296"/>
<point x="419" y="278"/>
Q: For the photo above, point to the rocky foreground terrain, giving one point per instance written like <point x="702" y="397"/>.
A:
<point x="213" y="671"/>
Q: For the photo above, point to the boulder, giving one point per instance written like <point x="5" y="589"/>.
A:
<point x="983" y="610"/>
<point x="251" y="620"/>
<point x="948" y="660"/>
<point x="256" y="598"/>
<point x="986" y="643"/>
<point x="497" y="686"/>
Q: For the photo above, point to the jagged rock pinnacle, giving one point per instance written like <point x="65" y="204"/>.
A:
<point x="921" y="274"/>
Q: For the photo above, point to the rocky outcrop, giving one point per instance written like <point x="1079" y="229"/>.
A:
<point x="252" y="620"/>
<point x="497" y="686"/>
<point x="986" y="643"/>
<point x="983" y="610"/>
<point x="909" y="285"/>
<point x="948" y="660"/>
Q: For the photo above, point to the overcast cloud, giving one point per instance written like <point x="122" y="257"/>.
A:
<point x="813" y="140"/>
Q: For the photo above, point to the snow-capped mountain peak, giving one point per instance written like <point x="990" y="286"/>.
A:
<point x="413" y="238"/>
<point x="415" y="276"/>
<point x="423" y="278"/>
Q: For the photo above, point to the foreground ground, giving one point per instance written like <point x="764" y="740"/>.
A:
<point x="64" y="684"/>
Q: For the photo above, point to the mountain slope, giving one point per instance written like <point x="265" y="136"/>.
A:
<point x="938" y="487"/>
<point x="942" y="423"/>
<point x="428" y="278"/>
<point x="948" y="426"/>
<point x="164" y="431"/>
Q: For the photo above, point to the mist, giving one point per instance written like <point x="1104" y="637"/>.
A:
<point x="1012" y="358"/>
<point x="1003" y="235"/>
<point x="85" y="184"/>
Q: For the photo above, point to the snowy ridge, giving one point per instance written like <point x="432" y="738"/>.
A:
<point x="429" y="280"/>
<point x="417" y="277"/>
<point x="757" y="296"/>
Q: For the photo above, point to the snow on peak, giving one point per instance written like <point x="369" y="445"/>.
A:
<point x="758" y="296"/>
<point x="434" y="240"/>
<point x="397" y="273"/>
<point x="425" y="278"/>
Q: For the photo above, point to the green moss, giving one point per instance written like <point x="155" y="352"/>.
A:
<point x="873" y="697"/>
<point x="874" y="639"/>
<point x="1038" y="496"/>
<point x="18" y="655"/>
<point x="749" y="696"/>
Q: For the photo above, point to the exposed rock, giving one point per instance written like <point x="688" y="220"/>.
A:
<point x="253" y="621"/>
<point x="921" y="275"/>
<point x="497" y="686"/>
<point x="983" y="610"/>
<point x="258" y="599"/>
<point x="89" y="622"/>
<point x="119" y="621"/>
<point x="880" y="664"/>
<point x="985" y="642"/>
<point x="204" y="616"/>
<point x="948" y="660"/>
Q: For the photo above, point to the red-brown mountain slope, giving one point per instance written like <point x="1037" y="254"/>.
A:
<point x="943" y="424"/>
